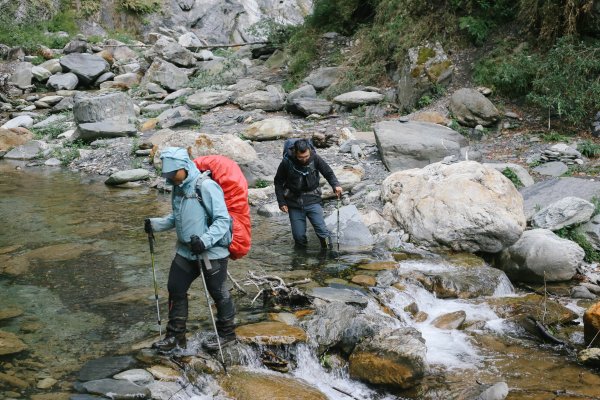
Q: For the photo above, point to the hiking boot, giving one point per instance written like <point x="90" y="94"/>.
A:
<point x="326" y="243"/>
<point x="212" y="345"/>
<point x="170" y="342"/>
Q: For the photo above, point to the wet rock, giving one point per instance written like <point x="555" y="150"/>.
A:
<point x="415" y="144"/>
<point x="247" y="385"/>
<point x="358" y="98"/>
<point x="87" y="67"/>
<point x="471" y="108"/>
<point x="531" y="305"/>
<point x="269" y="129"/>
<point x="590" y="357"/>
<point x="339" y="295"/>
<point x="68" y="81"/>
<point x="131" y="175"/>
<point x="163" y="390"/>
<point x="379" y="265"/>
<point x="581" y="292"/>
<point x="450" y="321"/>
<point x="10" y="312"/>
<point x="324" y="77"/>
<point x="10" y="344"/>
<point x="205" y="144"/>
<point x="27" y="151"/>
<point x="565" y="212"/>
<point x="518" y="170"/>
<point x="540" y="255"/>
<point x="116" y="389"/>
<point x="162" y="373"/>
<point x="271" y="99"/>
<point x="11" y="380"/>
<point x="10" y="138"/>
<point x="353" y="233"/>
<point x="364" y="280"/>
<point x="166" y="75"/>
<point x="46" y="383"/>
<point x="393" y="357"/>
<point x="422" y="201"/>
<point x="591" y="326"/>
<point x="550" y="191"/>
<point x="105" y="367"/>
<point x="205" y="100"/>
<point x="270" y="333"/>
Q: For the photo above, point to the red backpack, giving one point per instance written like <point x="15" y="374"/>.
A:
<point x="229" y="176"/>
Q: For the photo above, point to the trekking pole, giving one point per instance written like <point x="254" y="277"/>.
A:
<point x="151" y="241"/>
<point x="194" y="239"/>
<point x="339" y="201"/>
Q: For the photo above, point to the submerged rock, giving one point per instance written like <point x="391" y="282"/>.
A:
<point x="393" y="358"/>
<point x="247" y="385"/>
<point x="105" y="367"/>
<point x="10" y="344"/>
<point x="116" y="389"/>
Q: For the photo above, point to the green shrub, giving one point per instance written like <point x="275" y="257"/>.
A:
<point x="275" y="33"/>
<point x="477" y="28"/>
<point x="51" y="131"/>
<point x="510" y="174"/>
<point x="261" y="183"/>
<point x="424" y="101"/>
<point x="554" y="136"/>
<point x="589" y="148"/>
<point x="302" y="50"/>
<point x="567" y="80"/>
<point x="574" y="234"/>
<point x="141" y="6"/>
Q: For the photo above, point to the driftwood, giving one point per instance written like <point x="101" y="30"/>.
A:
<point x="273" y="286"/>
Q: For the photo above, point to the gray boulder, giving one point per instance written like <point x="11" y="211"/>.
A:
<point x="538" y="256"/>
<point x="68" y="81"/>
<point x="354" y="234"/>
<point x="179" y="116"/>
<point x="271" y="99"/>
<point x="245" y="86"/>
<point x="564" y="212"/>
<point x="324" y="77"/>
<point x="591" y="230"/>
<point x="471" y="108"/>
<point x="130" y="175"/>
<point x="171" y="51"/>
<point x="307" y="106"/>
<point x="52" y="65"/>
<point x="167" y="75"/>
<point x="105" y="129"/>
<point x="553" y="168"/>
<point x="416" y="144"/>
<point x="22" y="121"/>
<point x="87" y="67"/>
<point x="205" y="100"/>
<point x="425" y="67"/>
<point x="27" y="151"/>
<point x="116" y="389"/>
<point x="547" y="192"/>
<point x="22" y="75"/>
<point x="190" y="39"/>
<point x="358" y="98"/>
<point x="106" y="115"/>
<point x="40" y="74"/>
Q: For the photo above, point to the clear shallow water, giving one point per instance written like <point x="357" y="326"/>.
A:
<point x="79" y="268"/>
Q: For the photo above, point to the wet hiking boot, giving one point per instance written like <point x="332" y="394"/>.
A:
<point x="326" y="243"/>
<point x="212" y="345"/>
<point x="170" y="342"/>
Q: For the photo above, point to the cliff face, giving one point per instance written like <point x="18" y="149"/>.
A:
<point x="29" y="10"/>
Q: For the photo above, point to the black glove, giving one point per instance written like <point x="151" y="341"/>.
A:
<point x="147" y="226"/>
<point x="197" y="245"/>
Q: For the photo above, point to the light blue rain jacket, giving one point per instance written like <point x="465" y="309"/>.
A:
<point x="210" y="222"/>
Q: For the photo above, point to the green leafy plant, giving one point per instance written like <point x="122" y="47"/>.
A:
<point x="277" y="34"/>
<point x="141" y="6"/>
<point x="424" y="101"/>
<point x="51" y="131"/>
<point x="574" y="234"/>
<point x="261" y="183"/>
<point x="476" y="28"/>
<point x="589" y="148"/>
<point x="554" y="136"/>
<point x="512" y="176"/>
<point x="596" y="202"/>
<point x="70" y="152"/>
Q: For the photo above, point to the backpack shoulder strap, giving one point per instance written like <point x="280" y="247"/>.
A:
<point x="201" y="179"/>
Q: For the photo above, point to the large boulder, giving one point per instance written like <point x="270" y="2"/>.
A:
<point x="168" y="49"/>
<point x="271" y="99"/>
<point x="324" y="77"/>
<point x="22" y="75"/>
<point x="205" y="100"/>
<point x="269" y="129"/>
<point x="540" y="256"/>
<point x="546" y="192"/>
<point x="425" y="68"/>
<point x="10" y="138"/>
<point x="106" y="115"/>
<point x="22" y="121"/>
<point x="178" y="116"/>
<point x="565" y="212"/>
<point x="394" y="357"/>
<point x="591" y="230"/>
<point x="40" y="74"/>
<point x="353" y="233"/>
<point x="306" y="106"/>
<point x="203" y="144"/>
<point x="166" y="75"/>
<point x="68" y="81"/>
<point x="471" y="108"/>
<point x="245" y="86"/>
<point x="416" y="144"/>
<point x="87" y="67"/>
<point x="250" y="385"/>
<point x="358" y="98"/>
<point x="28" y="151"/>
<point x="465" y="206"/>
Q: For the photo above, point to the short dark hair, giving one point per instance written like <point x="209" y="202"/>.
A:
<point x="301" y="145"/>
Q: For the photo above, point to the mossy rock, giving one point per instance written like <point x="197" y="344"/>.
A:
<point x="532" y="305"/>
<point x="436" y="70"/>
<point x="425" y="53"/>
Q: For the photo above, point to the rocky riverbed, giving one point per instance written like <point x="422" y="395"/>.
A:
<point x="406" y="303"/>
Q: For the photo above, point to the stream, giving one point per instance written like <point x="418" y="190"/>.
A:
<point x="75" y="260"/>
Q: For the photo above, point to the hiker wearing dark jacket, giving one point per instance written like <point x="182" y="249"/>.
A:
<point x="207" y="220"/>
<point x="299" y="194"/>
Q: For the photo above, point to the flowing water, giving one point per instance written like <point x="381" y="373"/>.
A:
<point x="75" y="259"/>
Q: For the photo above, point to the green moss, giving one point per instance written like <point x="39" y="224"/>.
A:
<point x="141" y="6"/>
<point x="425" y="53"/>
<point x="435" y="70"/>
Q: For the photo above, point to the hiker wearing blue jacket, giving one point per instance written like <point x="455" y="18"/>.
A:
<point x="198" y="209"/>
<point x="299" y="193"/>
